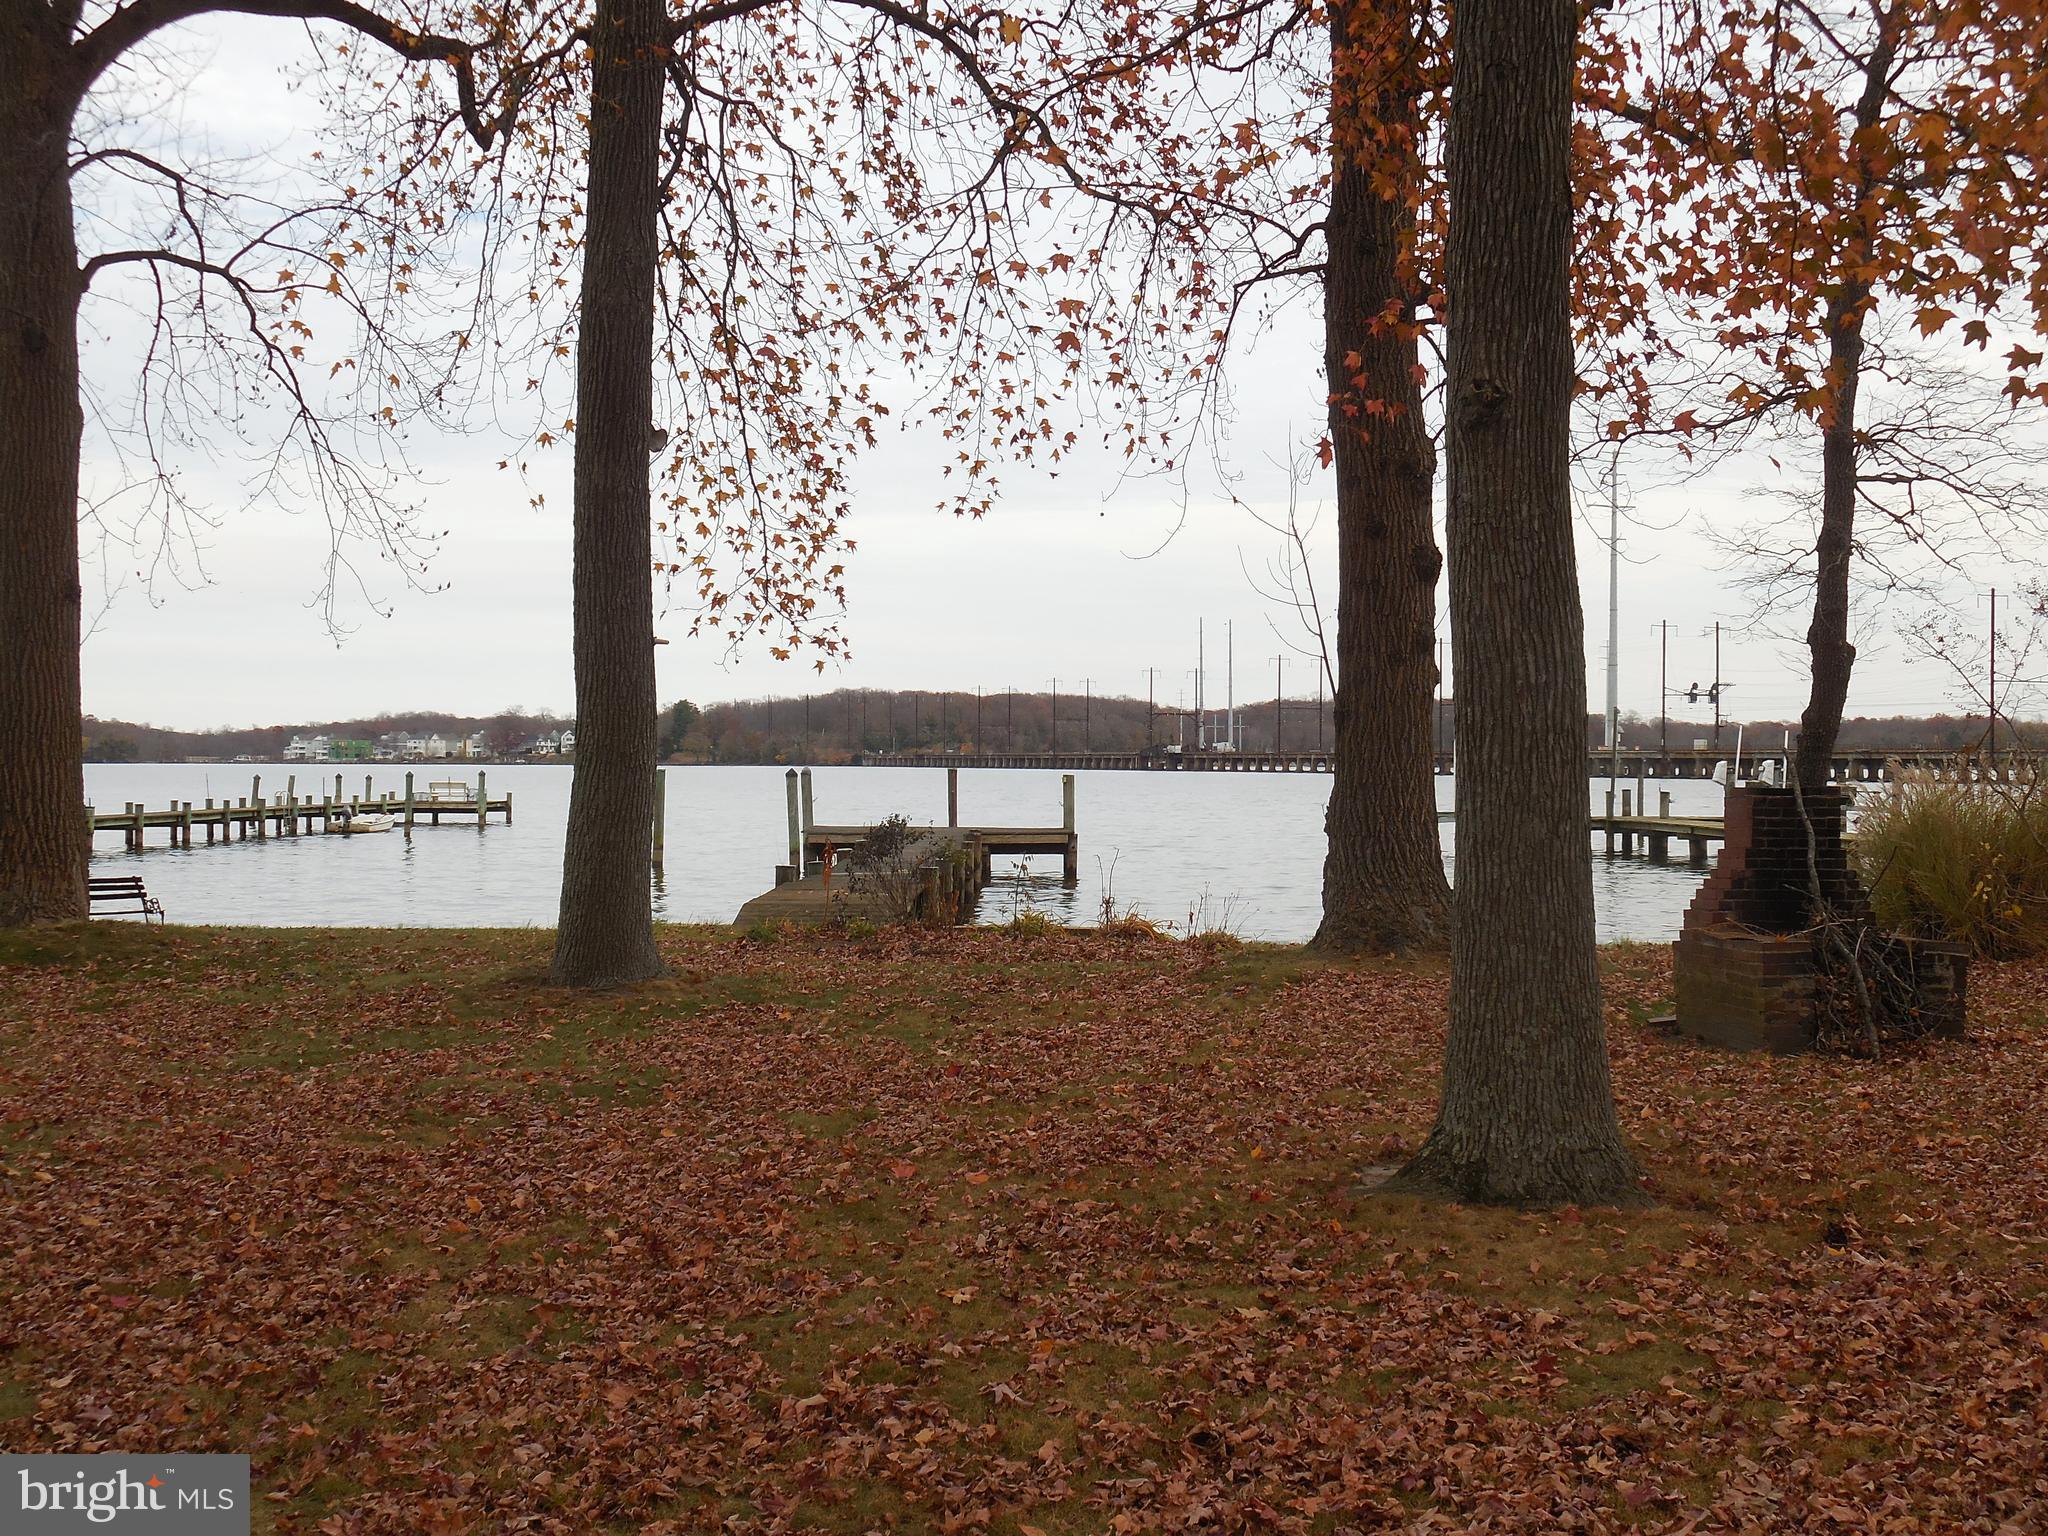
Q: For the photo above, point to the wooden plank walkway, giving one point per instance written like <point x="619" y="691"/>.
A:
<point x="291" y="814"/>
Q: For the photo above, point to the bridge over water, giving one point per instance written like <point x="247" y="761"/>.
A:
<point x="1858" y="766"/>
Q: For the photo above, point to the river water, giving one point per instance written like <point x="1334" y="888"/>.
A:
<point x="1239" y="850"/>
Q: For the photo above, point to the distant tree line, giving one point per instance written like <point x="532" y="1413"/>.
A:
<point x="123" y="741"/>
<point x="836" y="727"/>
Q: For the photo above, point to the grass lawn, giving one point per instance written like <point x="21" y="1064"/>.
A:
<point x="980" y="1231"/>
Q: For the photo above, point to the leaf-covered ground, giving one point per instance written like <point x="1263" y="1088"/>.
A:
<point x="981" y="1231"/>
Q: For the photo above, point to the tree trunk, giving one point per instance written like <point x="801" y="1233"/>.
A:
<point x="606" y="935"/>
<point x="44" y="844"/>
<point x="1827" y="637"/>
<point x="1528" y="1114"/>
<point x="1383" y="875"/>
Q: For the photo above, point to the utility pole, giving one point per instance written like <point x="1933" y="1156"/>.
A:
<point x="1614" y="606"/>
<point x="1714" y="690"/>
<point x="1991" y="699"/>
<point x="1201" y="720"/>
<point x="1279" y="662"/>
<point x="1664" y="696"/>
<point x="1229" y="685"/>
<point x="1440" y="744"/>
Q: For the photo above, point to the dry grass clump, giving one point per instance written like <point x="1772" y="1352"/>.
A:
<point x="1965" y="861"/>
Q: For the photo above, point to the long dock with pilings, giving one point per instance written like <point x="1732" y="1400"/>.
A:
<point x="943" y="870"/>
<point x="287" y="813"/>
<point x="1861" y="766"/>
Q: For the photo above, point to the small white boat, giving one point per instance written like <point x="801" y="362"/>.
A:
<point x="343" y="824"/>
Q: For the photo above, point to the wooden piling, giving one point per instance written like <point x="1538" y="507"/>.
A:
<point x="256" y="806"/>
<point x="660" y="813"/>
<point x="1070" y="870"/>
<point x="408" y="802"/>
<point x="483" y="802"/>
<point x="185" y="825"/>
<point x="793" y="794"/>
<point x="952" y="797"/>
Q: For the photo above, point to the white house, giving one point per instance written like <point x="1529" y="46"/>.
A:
<point x="307" y="749"/>
<point x="567" y="741"/>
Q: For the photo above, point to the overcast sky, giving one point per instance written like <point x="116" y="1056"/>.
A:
<point x="1076" y="577"/>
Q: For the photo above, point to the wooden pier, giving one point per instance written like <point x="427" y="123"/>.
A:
<point x="944" y="871"/>
<point x="1632" y="820"/>
<point x="290" y="814"/>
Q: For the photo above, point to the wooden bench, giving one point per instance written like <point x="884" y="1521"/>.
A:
<point x="124" y="888"/>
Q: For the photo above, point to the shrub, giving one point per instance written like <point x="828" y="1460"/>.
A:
<point x="1033" y="924"/>
<point x="1962" y="861"/>
<point x="888" y="867"/>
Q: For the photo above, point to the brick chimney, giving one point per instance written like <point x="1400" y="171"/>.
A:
<point x="1746" y="967"/>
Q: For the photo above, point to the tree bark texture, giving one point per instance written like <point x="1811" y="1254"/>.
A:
<point x="44" y="843"/>
<point x="1832" y="656"/>
<point x="1383" y="875"/>
<point x="1528" y="1113"/>
<point x="606" y="932"/>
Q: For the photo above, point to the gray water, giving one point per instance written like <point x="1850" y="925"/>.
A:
<point x="1239" y="850"/>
